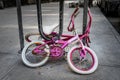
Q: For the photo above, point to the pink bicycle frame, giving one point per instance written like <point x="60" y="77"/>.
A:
<point x="73" y="39"/>
<point x="69" y="39"/>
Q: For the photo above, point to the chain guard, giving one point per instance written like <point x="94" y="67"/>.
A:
<point x="56" y="52"/>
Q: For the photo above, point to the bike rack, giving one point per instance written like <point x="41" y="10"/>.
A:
<point x="85" y="17"/>
<point x="20" y="25"/>
<point x="39" y="14"/>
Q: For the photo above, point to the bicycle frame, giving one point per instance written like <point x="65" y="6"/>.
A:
<point x="68" y="38"/>
<point x="64" y="43"/>
<point x="74" y="39"/>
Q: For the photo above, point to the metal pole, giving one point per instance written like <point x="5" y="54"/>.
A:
<point x="85" y="17"/>
<point x="19" y="15"/>
<point x="61" y="12"/>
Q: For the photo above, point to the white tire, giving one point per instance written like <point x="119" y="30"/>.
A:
<point x="74" y="67"/>
<point x="28" y="62"/>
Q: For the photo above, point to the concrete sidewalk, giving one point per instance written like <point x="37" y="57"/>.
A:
<point x="105" y="42"/>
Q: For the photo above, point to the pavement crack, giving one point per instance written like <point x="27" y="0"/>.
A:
<point x="115" y="66"/>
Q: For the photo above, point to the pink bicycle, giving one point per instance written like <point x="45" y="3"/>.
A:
<point x="81" y="59"/>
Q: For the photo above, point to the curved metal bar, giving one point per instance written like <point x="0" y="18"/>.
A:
<point x="39" y="14"/>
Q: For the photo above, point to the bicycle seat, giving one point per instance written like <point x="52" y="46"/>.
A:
<point x="49" y="29"/>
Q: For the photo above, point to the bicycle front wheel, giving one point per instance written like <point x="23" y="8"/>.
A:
<point x="34" y="60"/>
<point x="82" y="66"/>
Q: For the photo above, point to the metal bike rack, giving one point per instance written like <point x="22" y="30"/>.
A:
<point x="85" y="17"/>
<point x="39" y="14"/>
<point x="20" y="25"/>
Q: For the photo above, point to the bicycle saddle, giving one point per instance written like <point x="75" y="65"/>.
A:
<point x="49" y="29"/>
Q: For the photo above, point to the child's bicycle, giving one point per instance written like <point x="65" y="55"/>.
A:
<point x="81" y="59"/>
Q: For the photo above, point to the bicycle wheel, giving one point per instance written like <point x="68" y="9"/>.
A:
<point x="34" y="60"/>
<point x="85" y="66"/>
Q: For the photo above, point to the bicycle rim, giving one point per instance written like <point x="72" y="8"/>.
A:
<point x="31" y="59"/>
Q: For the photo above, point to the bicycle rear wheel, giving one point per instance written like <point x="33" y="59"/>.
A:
<point x="85" y="66"/>
<point x="34" y="60"/>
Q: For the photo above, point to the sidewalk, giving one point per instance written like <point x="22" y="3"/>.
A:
<point x="105" y="42"/>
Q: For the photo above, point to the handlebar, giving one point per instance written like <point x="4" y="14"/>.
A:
<point x="89" y="23"/>
<point x="75" y="13"/>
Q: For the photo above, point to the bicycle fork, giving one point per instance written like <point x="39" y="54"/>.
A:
<point x="82" y="51"/>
